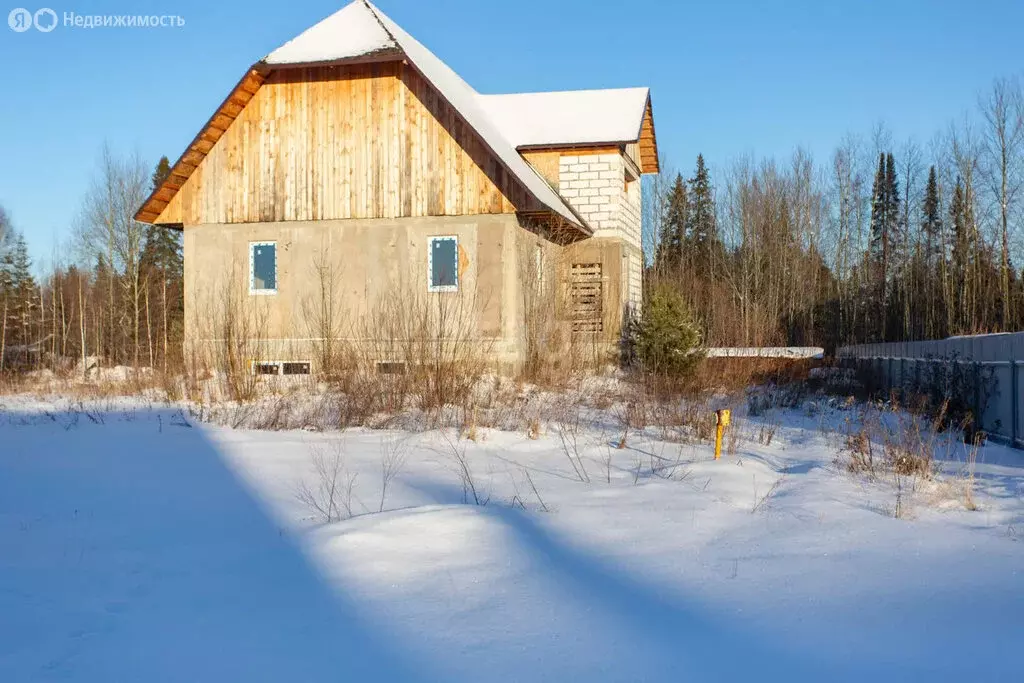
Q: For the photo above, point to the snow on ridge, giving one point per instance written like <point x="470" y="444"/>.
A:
<point x="352" y="31"/>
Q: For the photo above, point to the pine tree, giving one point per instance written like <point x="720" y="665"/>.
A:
<point x="673" y="227"/>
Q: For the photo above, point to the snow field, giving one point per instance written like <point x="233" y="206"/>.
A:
<point x="138" y="545"/>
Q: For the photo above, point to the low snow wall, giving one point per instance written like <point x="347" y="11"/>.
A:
<point x="765" y="352"/>
<point x="984" y="370"/>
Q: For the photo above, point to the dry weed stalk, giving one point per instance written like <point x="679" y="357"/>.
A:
<point x="568" y="435"/>
<point x="330" y="496"/>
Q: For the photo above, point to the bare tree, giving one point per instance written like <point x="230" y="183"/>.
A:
<point x="323" y="312"/>
<point x="106" y="229"/>
<point x="1003" y="112"/>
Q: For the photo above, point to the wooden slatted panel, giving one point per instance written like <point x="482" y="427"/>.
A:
<point x="236" y="101"/>
<point x="357" y="141"/>
<point x="586" y="294"/>
<point x="648" y="142"/>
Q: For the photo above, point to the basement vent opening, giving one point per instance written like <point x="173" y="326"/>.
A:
<point x="390" y="367"/>
<point x="586" y="297"/>
<point x="278" y="367"/>
<point x="265" y="369"/>
<point x="295" y="368"/>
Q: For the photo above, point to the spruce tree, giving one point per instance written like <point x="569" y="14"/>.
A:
<point x="931" y="223"/>
<point x="893" y="228"/>
<point x="961" y="254"/>
<point x="163" y="169"/>
<point x="161" y="251"/>
<point x="673" y="227"/>
<point x="702" y="231"/>
<point x="879" y="247"/>
<point x="161" y="267"/>
<point x="932" y="259"/>
<point x="21" y="287"/>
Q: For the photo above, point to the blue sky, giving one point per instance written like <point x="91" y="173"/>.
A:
<point x="728" y="78"/>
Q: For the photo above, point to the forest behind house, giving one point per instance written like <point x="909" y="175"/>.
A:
<point x="885" y="240"/>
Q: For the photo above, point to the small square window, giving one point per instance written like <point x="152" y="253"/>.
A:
<point x="263" y="268"/>
<point x="443" y="266"/>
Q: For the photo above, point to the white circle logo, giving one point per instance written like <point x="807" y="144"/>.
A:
<point x="45" y="20"/>
<point x="20" y="19"/>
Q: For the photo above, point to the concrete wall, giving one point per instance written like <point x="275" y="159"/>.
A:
<point x="358" y="268"/>
<point x="988" y="366"/>
<point x="371" y="263"/>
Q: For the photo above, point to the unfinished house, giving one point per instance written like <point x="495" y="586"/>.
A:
<point x="352" y="187"/>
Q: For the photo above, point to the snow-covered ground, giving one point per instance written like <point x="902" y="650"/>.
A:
<point x="136" y="545"/>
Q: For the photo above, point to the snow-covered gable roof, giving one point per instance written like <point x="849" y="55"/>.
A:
<point x="353" y="31"/>
<point x="504" y="122"/>
<point x="571" y="117"/>
<point x="361" y="29"/>
<point x="466" y="101"/>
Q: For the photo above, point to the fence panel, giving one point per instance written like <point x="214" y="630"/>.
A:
<point x="986" y="369"/>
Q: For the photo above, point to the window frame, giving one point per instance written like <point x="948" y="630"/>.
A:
<point x="252" y="268"/>
<point x="431" y="287"/>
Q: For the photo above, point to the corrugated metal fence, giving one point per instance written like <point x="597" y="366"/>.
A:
<point x="989" y="365"/>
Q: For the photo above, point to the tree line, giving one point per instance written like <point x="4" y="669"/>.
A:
<point x="883" y="242"/>
<point x="116" y="296"/>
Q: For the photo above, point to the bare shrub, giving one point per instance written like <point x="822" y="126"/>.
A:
<point x="471" y="491"/>
<point x="329" y="496"/>
<point x="766" y="432"/>
<point x="761" y="501"/>
<point x="393" y="453"/>
<point x="967" y="474"/>
<point x="518" y="500"/>
<point x="631" y="415"/>
<point x="323" y="316"/>
<point x="568" y="435"/>
<point x="607" y="462"/>
<point x="227" y="330"/>
<point x="733" y="437"/>
<point x="431" y="341"/>
<point x="890" y="443"/>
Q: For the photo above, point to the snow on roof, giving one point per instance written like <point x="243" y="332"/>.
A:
<point x="568" y="117"/>
<point x="352" y="31"/>
<point x="466" y="102"/>
<point x="361" y="29"/>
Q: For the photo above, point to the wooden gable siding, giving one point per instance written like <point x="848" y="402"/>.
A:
<point x="357" y="141"/>
<point x="648" y="142"/>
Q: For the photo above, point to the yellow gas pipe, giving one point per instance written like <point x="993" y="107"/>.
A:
<point x="722" y="422"/>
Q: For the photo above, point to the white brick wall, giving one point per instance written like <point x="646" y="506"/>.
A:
<point x="594" y="185"/>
